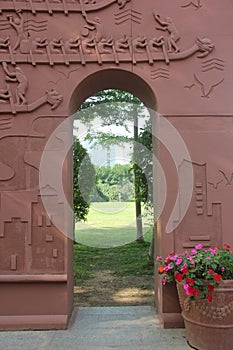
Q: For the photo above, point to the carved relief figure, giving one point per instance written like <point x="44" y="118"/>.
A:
<point x="122" y="44"/>
<point x="206" y="88"/>
<point x="4" y="44"/>
<point x="23" y="29"/>
<point x="54" y="98"/>
<point x="4" y="95"/>
<point x="19" y="77"/>
<point x="73" y="44"/>
<point x="104" y="44"/>
<point x="156" y="43"/>
<point x="18" y="24"/>
<point x="94" y="25"/>
<point x="38" y="44"/>
<point x="167" y="24"/>
<point x="139" y="43"/>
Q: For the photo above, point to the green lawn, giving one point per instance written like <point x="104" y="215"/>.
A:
<point x="130" y="259"/>
<point x="109" y="224"/>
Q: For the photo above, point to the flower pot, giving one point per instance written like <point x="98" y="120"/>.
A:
<point x="209" y="325"/>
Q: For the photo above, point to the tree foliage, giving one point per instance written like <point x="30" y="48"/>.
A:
<point x="114" y="183"/>
<point x="144" y="167"/>
<point x="117" y="107"/>
<point x="83" y="181"/>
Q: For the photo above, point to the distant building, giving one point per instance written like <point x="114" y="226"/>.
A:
<point x="114" y="154"/>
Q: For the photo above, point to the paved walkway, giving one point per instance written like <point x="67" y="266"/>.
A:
<point x="102" y="328"/>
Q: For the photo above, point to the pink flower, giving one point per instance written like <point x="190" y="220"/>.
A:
<point x="223" y="269"/>
<point x="191" y="260"/>
<point x="208" y="258"/>
<point x="168" y="267"/>
<point x="164" y="281"/>
<point x="185" y="266"/>
<point x="212" y="251"/>
<point x="159" y="258"/>
<point x="194" y="251"/>
<point x="198" y="246"/>
<point x="186" y="288"/>
<point x="179" y="261"/>
<point x="173" y="258"/>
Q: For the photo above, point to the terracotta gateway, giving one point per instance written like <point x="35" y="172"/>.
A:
<point x="176" y="56"/>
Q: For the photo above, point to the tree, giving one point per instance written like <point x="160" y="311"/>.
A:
<point x="145" y="175"/>
<point x="83" y="181"/>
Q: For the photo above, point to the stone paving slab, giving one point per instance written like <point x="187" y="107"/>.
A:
<point x="102" y="328"/>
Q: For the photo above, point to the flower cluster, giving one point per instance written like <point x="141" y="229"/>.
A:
<point x="200" y="271"/>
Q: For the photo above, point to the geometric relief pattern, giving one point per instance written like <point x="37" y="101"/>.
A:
<point x="38" y="246"/>
<point x="47" y="242"/>
<point x="13" y="256"/>
<point x="198" y="226"/>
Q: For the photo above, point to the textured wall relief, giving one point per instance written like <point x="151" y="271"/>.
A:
<point x="225" y="179"/>
<point x="198" y="225"/>
<point x="60" y="6"/>
<point x="38" y="245"/>
<point x="208" y="78"/>
<point x="14" y="100"/>
<point x="130" y="15"/>
<point x="160" y="73"/>
<point x="26" y="40"/>
<point x="196" y="4"/>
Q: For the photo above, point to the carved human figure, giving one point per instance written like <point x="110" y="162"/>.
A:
<point x="94" y="25"/>
<point x="55" y="45"/>
<point x="38" y="44"/>
<point x="122" y="44"/>
<point x="104" y="44"/>
<point x="167" y="24"/>
<point x="156" y="43"/>
<point x="18" y="24"/>
<point x="19" y="77"/>
<point x="4" y="95"/>
<point x="72" y="44"/>
<point x="53" y="98"/>
<point x="139" y="43"/>
<point x="87" y="44"/>
<point x="4" y="44"/>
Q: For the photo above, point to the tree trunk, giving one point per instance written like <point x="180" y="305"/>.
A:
<point x="151" y="253"/>
<point x="138" y="208"/>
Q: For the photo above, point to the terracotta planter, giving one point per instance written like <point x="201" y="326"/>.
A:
<point x="209" y="325"/>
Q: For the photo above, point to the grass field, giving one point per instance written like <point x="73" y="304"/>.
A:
<point x="130" y="259"/>
<point x="109" y="224"/>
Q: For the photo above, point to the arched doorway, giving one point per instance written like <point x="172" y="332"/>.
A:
<point x="121" y="77"/>
<point x="119" y="146"/>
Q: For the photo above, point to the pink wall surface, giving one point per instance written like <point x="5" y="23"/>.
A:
<point x="176" y="56"/>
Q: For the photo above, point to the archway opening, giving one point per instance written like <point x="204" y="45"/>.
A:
<point x="92" y="245"/>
